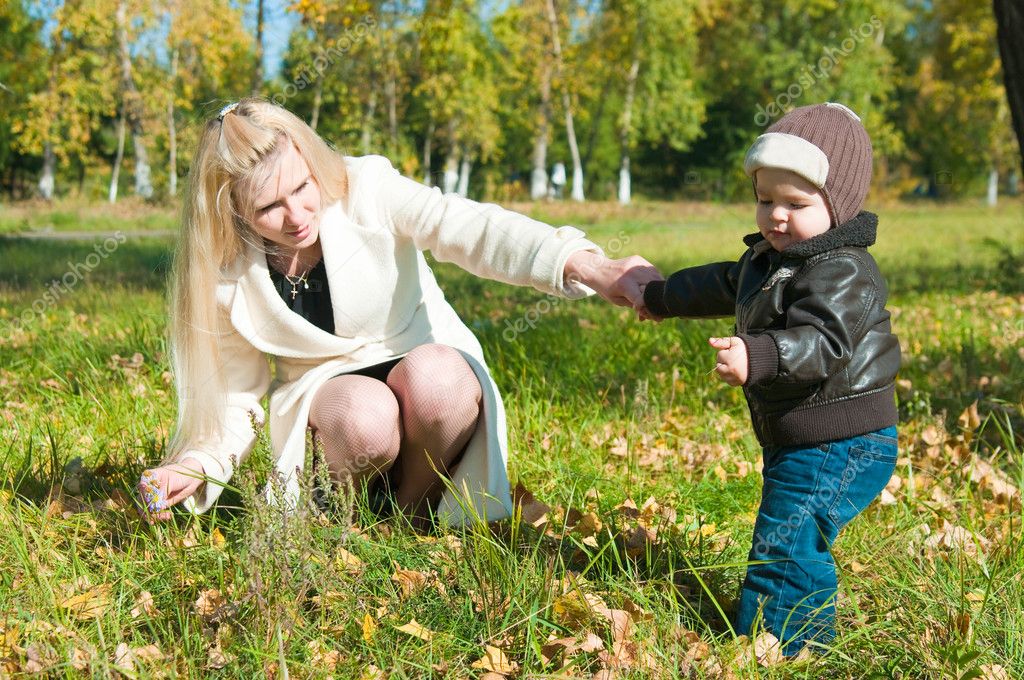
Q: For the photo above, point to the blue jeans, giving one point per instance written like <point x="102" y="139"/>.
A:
<point x="810" y="493"/>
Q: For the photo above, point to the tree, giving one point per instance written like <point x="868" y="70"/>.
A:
<point x="80" y="91"/>
<point x="22" y="62"/>
<point x="457" y="88"/>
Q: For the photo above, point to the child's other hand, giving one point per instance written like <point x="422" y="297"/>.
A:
<point x="732" y="363"/>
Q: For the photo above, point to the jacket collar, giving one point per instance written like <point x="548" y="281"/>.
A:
<point x="260" y="315"/>
<point x="858" y="232"/>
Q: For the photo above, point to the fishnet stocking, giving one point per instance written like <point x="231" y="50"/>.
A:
<point x="439" y="404"/>
<point x="355" y="419"/>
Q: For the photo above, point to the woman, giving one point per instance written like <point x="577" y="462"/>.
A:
<point x="292" y="251"/>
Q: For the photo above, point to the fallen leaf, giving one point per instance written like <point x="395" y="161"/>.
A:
<point x="414" y="629"/>
<point x="767" y="650"/>
<point x="411" y="582"/>
<point x="993" y="672"/>
<point x="88" y="605"/>
<point x="347" y="561"/>
<point x="369" y="627"/>
<point x="323" y="657"/>
<point x="209" y="603"/>
<point x="143" y="605"/>
<point x="216" y="657"/>
<point x="495" y="661"/>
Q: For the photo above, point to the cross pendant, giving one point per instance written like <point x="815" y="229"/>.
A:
<point x="293" y="292"/>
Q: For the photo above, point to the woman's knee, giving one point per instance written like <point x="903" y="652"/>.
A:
<point x="435" y="379"/>
<point x="357" y="423"/>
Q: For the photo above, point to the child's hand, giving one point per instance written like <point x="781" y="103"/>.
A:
<point x="733" y="364"/>
<point x="644" y="314"/>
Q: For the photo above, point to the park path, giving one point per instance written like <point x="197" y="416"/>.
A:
<point x="87" y="235"/>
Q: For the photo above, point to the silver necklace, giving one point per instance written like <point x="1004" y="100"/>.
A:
<point x="297" y="281"/>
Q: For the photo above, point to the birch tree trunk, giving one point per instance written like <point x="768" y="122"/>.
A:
<point x="993" y="187"/>
<point x="451" y="171"/>
<point x="539" y="175"/>
<point x="46" y="179"/>
<point x="133" y="106"/>
<point x="172" y="132"/>
<point x="570" y="129"/>
<point x="115" y="174"/>
<point x="427" y="142"/>
<point x="318" y="100"/>
<point x="371" y="110"/>
<point x="625" y="180"/>
<point x="464" y="168"/>
<point x="257" y="71"/>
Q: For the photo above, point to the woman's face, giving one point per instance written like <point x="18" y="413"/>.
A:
<point x="288" y="203"/>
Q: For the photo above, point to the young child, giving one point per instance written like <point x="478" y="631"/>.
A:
<point x="814" y="353"/>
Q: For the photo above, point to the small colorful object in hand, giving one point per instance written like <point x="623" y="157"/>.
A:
<point x="151" y="492"/>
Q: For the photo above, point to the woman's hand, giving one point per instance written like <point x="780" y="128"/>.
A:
<point x="732" y="363"/>
<point x="163" y="487"/>
<point x="620" y="281"/>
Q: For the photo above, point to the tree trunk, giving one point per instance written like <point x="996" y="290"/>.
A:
<point x="257" y="72"/>
<point x="451" y="171"/>
<point x="391" y="95"/>
<point x="46" y="179"/>
<point x="993" y="187"/>
<point x="426" y="151"/>
<point x="172" y="131"/>
<point x="1010" y="22"/>
<point x="115" y="174"/>
<point x="626" y="130"/>
<point x="133" y="106"/>
<point x="570" y="129"/>
<point x="371" y="110"/>
<point x="464" y="168"/>
<point x="539" y="175"/>
<point x="318" y="99"/>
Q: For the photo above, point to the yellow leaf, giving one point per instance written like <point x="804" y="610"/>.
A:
<point x="217" y="539"/>
<point x="412" y="582"/>
<point x="143" y="605"/>
<point x="416" y="630"/>
<point x="495" y="661"/>
<point x="209" y="603"/>
<point x="369" y="627"/>
<point x="347" y="561"/>
<point x="88" y="605"/>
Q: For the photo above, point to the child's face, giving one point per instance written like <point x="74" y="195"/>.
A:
<point x="789" y="208"/>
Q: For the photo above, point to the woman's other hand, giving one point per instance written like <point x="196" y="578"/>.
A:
<point x="619" y="281"/>
<point x="163" y="487"/>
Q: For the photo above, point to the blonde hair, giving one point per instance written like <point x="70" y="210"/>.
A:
<point x="238" y="151"/>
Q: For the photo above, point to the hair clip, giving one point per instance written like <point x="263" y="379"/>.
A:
<point x="226" y="110"/>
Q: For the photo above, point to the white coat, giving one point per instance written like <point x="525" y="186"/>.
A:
<point x="386" y="302"/>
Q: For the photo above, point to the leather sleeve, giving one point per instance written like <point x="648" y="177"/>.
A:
<point x="828" y="313"/>
<point x="707" y="291"/>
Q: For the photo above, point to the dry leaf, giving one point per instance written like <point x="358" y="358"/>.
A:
<point x="993" y="672"/>
<point x="416" y="630"/>
<point x="347" y="561"/>
<point x="495" y="661"/>
<point x="532" y="510"/>
<point x="323" y="657"/>
<point x="369" y="627"/>
<point x="143" y="605"/>
<point x="88" y="605"/>
<point x="970" y="420"/>
<point x="412" y="582"/>
<point x="767" y="650"/>
<point x="209" y="603"/>
<point x="216" y="657"/>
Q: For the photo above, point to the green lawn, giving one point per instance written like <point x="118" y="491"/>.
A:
<point x="602" y="411"/>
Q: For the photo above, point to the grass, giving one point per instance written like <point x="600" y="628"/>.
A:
<point x="601" y="409"/>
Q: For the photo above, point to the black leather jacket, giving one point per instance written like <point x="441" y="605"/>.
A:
<point x="823" y="359"/>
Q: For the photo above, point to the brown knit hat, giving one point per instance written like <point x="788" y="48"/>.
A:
<point x="825" y="144"/>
